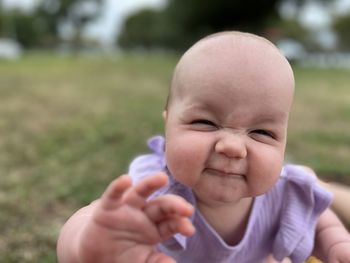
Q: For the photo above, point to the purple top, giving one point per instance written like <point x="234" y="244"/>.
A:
<point x="282" y="221"/>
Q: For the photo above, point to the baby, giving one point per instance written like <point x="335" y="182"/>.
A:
<point x="215" y="189"/>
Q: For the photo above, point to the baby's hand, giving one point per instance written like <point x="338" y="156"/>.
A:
<point x="124" y="227"/>
<point x="339" y="253"/>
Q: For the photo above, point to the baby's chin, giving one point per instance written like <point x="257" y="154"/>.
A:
<point x="219" y="197"/>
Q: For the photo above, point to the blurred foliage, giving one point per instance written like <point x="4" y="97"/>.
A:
<point x="23" y="27"/>
<point x="176" y="26"/>
<point x="42" y="27"/>
<point x="155" y="37"/>
<point x="292" y="28"/>
<point x="341" y="25"/>
<point x="181" y="23"/>
<point x="72" y="13"/>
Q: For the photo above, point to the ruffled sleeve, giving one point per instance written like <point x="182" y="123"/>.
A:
<point x="303" y="202"/>
<point x="149" y="164"/>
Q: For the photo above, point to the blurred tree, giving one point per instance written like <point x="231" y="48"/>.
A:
<point x="198" y="18"/>
<point x="341" y="25"/>
<point x="21" y="26"/>
<point x="52" y="19"/>
<point x="183" y="22"/>
<point x="69" y="16"/>
<point x="294" y="30"/>
<point x="136" y="32"/>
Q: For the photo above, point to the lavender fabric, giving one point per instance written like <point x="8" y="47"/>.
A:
<point x="282" y="221"/>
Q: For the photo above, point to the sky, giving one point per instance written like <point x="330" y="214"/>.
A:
<point x="114" y="12"/>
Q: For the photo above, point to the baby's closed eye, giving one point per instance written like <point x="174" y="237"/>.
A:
<point x="263" y="132"/>
<point x="204" y="124"/>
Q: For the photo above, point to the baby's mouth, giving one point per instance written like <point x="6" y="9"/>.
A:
<point x="225" y="174"/>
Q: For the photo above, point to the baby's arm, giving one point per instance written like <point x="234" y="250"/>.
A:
<point x="341" y="197"/>
<point x="332" y="242"/>
<point x="122" y="226"/>
<point x="332" y="239"/>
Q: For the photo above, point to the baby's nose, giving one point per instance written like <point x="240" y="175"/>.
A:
<point x="232" y="145"/>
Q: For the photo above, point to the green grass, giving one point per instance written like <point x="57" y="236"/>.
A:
<point x="320" y="122"/>
<point x="68" y="126"/>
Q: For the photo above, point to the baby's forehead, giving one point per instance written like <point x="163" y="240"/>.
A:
<point x="233" y="39"/>
<point x="232" y="48"/>
<point x="231" y="57"/>
<point x="231" y="53"/>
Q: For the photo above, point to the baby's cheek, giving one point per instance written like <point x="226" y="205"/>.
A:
<point x="267" y="172"/>
<point x="183" y="163"/>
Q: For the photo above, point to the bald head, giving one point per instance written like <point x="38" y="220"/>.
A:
<point x="232" y="56"/>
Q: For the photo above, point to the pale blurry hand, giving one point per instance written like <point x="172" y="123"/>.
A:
<point x="124" y="227"/>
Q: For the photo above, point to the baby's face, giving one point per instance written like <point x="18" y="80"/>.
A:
<point x="226" y="125"/>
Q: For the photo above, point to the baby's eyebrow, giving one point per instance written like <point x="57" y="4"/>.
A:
<point x="280" y="118"/>
<point x="199" y="108"/>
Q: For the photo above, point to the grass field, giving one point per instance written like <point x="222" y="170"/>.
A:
<point x="68" y="126"/>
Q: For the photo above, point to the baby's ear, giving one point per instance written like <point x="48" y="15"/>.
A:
<point x="164" y="114"/>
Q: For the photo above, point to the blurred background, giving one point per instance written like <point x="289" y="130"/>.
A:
<point x="83" y="84"/>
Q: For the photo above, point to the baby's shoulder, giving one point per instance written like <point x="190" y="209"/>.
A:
<point x="297" y="175"/>
<point x="302" y="200"/>
<point x="296" y="192"/>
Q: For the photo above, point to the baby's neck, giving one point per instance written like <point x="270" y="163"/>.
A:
<point x="229" y="220"/>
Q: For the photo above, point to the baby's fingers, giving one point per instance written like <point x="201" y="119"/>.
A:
<point x="172" y="209"/>
<point x="121" y="191"/>
<point x="115" y="191"/>
<point x="168" y="206"/>
<point x="137" y="195"/>
<point x="150" y="184"/>
<point x="173" y="226"/>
